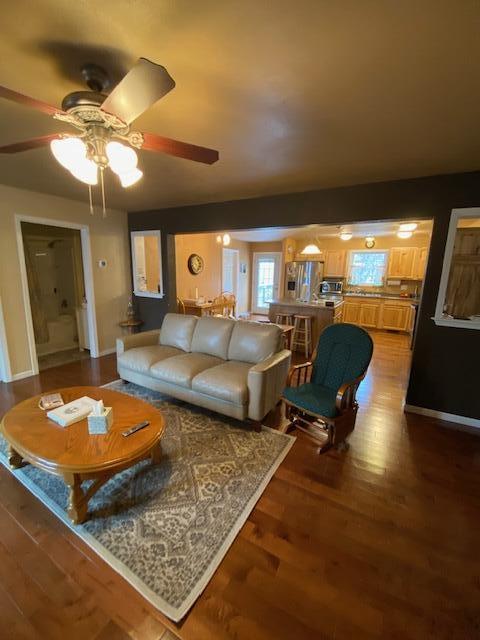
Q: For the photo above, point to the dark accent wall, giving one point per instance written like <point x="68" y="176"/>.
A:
<point x="445" y="373"/>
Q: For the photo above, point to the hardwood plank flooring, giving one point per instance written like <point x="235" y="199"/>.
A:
<point x="377" y="542"/>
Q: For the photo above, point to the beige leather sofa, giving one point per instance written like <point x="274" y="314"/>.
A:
<point x="234" y="367"/>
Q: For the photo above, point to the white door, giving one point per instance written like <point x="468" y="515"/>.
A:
<point x="266" y="278"/>
<point x="230" y="271"/>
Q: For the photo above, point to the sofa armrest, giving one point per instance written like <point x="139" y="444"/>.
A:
<point x="144" y="339"/>
<point x="266" y="381"/>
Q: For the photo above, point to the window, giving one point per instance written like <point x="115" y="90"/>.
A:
<point x="367" y="268"/>
<point x="458" y="302"/>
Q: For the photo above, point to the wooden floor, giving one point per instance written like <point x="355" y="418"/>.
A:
<point x="379" y="542"/>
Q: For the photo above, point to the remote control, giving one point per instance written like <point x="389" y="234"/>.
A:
<point x="135" y="428"/>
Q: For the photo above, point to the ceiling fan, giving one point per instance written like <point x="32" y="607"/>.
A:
<point x="104" y="137"/>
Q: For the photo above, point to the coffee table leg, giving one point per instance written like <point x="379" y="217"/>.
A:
<point x="77" y="502"/>
<point x="14" y="459"/>
<point x="156" y="453"/>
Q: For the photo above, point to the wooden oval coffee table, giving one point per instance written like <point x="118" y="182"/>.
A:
<point x="75" y="455"/>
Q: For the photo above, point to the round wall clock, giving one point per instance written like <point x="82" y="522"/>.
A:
<point x="195" y="264"/>
<point x="369" y="243"/>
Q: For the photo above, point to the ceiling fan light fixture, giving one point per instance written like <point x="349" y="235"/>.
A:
<point x="86" y="171"/>
<point x="346" y="235"/>
<point x="69" y="151"/>
<point x="311" y="250"/>
<point x="121" y="159"/>
<point x="404" y="234"/>
<point x="129" y="178"/>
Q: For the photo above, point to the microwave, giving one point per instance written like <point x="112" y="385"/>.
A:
<point x="330" y="286"/>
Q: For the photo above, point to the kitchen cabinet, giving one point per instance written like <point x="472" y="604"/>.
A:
<point x="378" y="313"/>
<point x="401" y="262"/>
<point x="351" y="312"/>
<point x="369" y="313"/>
<point x="335" y="264"/>
<point x="421" y="263"/>
<point x="395" y="316"/>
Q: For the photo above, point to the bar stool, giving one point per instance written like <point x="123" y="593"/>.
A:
<point x="283" y="318"/>
<point x="302" y="334"/>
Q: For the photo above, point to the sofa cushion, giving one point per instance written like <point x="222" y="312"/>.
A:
<point x="212" y="336"/>
<point x="183" y="368"/>
<point x="254" y="341"/>
<point x="177" y="331"/>
<point x="227" y="381"/>
<point x="141" y="358"/>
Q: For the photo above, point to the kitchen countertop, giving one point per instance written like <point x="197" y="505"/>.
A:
<point x="384" y="296"/>
<point x="311" y="305"/>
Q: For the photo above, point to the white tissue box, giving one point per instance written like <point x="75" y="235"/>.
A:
<point x="100" y="424"/>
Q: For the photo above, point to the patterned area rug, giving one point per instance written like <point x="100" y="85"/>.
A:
<point x="165" y="528"/>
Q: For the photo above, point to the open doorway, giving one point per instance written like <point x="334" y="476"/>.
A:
<point x="230" y="268"/>
<point x="57" y="295"/>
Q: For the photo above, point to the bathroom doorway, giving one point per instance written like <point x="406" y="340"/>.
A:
<point x="57" y="295"/>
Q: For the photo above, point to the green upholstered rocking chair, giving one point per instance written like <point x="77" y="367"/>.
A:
<point x="324" y="403"/>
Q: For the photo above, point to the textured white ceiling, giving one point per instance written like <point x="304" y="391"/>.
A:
<point x="295" y="95"/>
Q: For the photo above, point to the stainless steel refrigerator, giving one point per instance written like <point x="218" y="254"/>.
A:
<point x="302" y="279"/>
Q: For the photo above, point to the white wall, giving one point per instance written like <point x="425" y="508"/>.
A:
<point x="109" y="240"/>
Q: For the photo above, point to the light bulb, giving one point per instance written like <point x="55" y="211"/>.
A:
<point x="408" y="226"/>
<point x="226" y="239"/>
<point x="219" y="239"/>
<point x="121" y="159"/>
<point x="311" y="250"/>
<point x="128" y="178"/>
<point x="404" y="234"/>
<point x="85" y="171"/>
<point x="346" y="235"/>
<point x="68" y="151"/>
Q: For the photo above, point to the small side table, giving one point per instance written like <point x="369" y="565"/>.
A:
<point x="131" y="326"/>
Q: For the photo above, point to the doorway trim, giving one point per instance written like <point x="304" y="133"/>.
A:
<point x="5" y="369"/>
<point x="87" y="274"/>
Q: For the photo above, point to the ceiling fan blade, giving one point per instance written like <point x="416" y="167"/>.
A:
<point x="143" y="85"/>
<point x="14" y="96"/>
<point x="152" y="142"/>
<point x="33" y="143"/>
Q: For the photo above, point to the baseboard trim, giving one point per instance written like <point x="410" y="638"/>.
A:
<point x="107" y="352"/>
<point x="441" y="415"/>
<point x="22" y="374"/>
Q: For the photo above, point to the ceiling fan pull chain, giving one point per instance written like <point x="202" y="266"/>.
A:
<point x="90" y="198"/>
<point x="102" y="184"/>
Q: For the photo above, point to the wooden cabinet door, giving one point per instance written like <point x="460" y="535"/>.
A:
<point x="401" y="262"/>
<point x="421" y="263"/>
<point x="335" y="263"/>
<point x="351" y="312"/>
<point x="369" y="315"/>
<point x="395" y="316"/>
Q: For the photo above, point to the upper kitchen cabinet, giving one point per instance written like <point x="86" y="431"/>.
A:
<point x="420" y="263"/>
<point x="335" y="264"/>
<point x="402" y="262"/>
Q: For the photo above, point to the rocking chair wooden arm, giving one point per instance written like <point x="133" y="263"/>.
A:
<point x="298" y="369"/>
<point x="346" y="393"/>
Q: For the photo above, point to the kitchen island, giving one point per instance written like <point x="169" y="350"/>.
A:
<point x="322" y="315"/>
